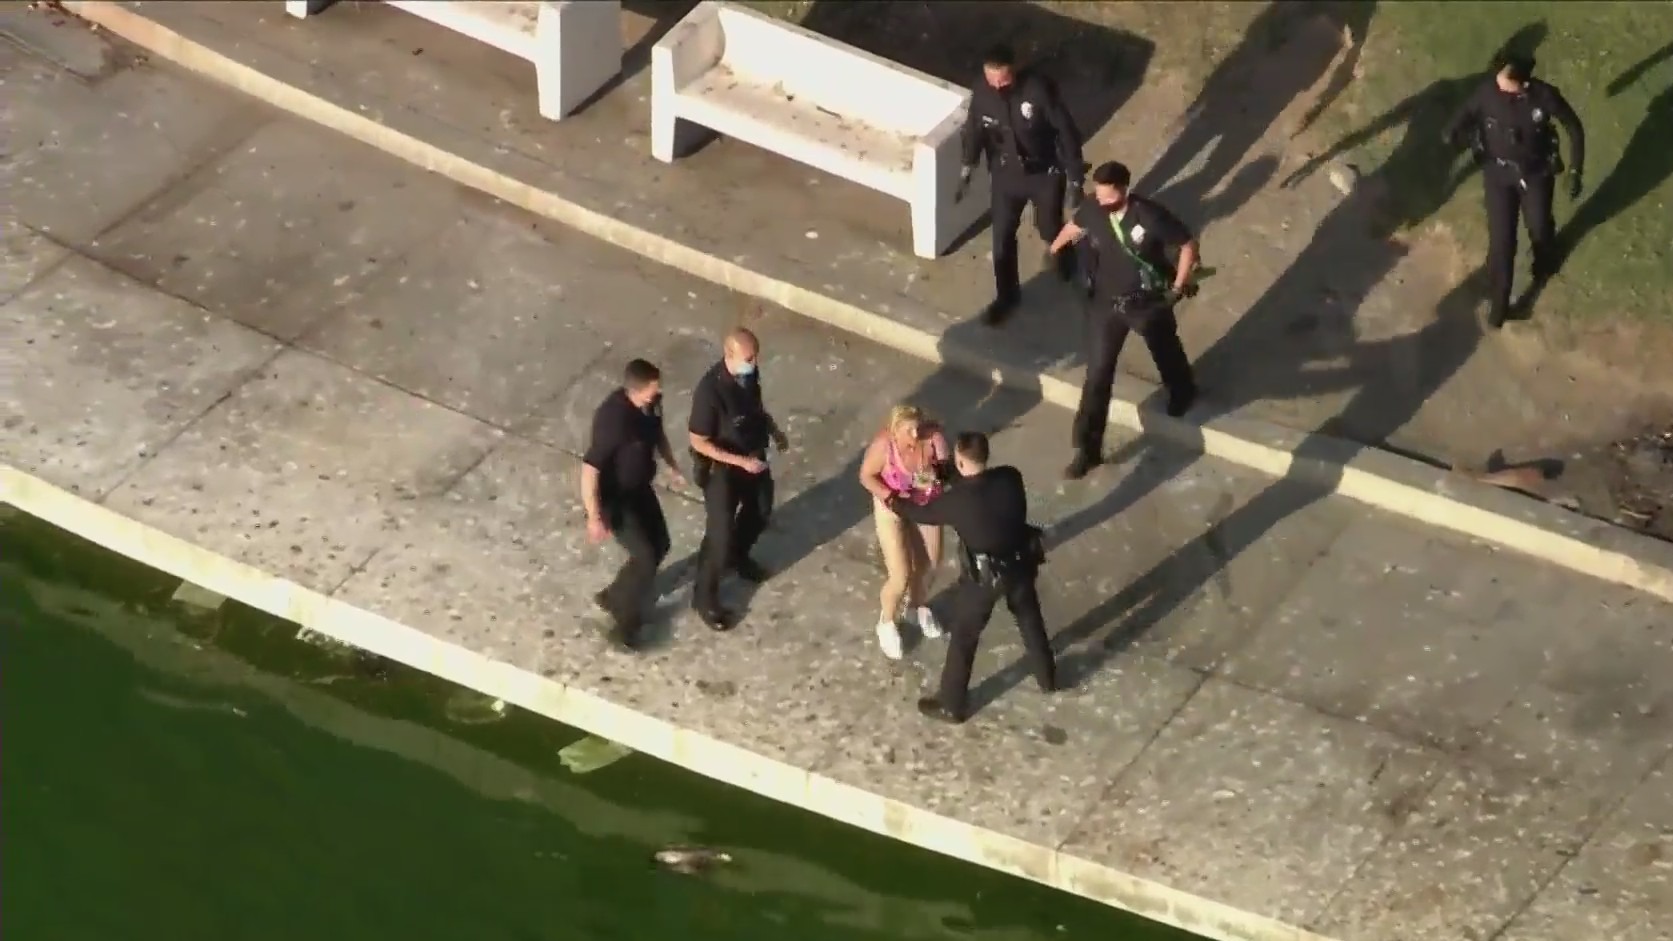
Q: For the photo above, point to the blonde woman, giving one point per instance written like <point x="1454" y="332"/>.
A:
<point x="907" y="458"/>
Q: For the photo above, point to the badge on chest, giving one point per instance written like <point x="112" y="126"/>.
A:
<point x="1026" y="109"/>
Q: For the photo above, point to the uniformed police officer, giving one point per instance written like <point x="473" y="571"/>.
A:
<point x="730" y="430"/>
<point x="1002" y="554"/>
<point x="1135" y="287"/>
<point x="1508" y="123"/>
<point x="616" y="477"/>
<point x="1033" y="150"/>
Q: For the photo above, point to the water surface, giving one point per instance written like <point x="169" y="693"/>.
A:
<point x="171" y="773"/>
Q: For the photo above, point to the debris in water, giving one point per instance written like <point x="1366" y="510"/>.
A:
<point x="691" y="859"/>
<point x="472" y="708"/>
<point x="592" y="753"/>
<point x="197" y="596"/>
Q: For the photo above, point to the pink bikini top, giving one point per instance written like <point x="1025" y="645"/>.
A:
<point x="919" y="487"/>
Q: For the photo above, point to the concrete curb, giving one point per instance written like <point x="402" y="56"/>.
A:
<point x="644" y="733"/>
<point x="1378" y="478"/>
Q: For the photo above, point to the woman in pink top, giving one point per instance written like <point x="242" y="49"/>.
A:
<point x="905" y="458"/>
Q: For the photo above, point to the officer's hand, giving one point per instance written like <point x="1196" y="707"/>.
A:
<point x="752" y="465"/>
<point x="1188" y="291"/>
<point x="963" y="183"/>
<point x="1576" y="184"/>
<point x="781" y="440"/>
<point x="597" y="530"/>
<point x="677" y="479"/>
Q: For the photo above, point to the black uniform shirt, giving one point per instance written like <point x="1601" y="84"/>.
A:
<point x="989" y="511"/>
<point x="623" y="445"/>
<point x="1517" y="129"/>
<point x="1023" y="129"/>
<point x="1150" y="230"/>
<point x="729" y="411"/>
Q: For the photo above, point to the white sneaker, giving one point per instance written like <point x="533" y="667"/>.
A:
<point x="927" y="624"/>
<point x="888" y="638"/>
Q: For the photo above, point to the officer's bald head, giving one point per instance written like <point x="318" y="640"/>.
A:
<point x="970" y="453"/>
<point x="740" y="350"/>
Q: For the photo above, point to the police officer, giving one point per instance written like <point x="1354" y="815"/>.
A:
<point x="1507" y="121"/>
<point x="1033" y="150"/>
<point x="1002" y="554"/>
<point x="1134" y="288"/>
<point x="730" y="430"/>
<point x="616" y="476"/>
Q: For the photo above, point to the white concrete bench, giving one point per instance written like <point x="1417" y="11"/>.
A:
<point x="576" y="47"/>
<point x="825" y="104"/>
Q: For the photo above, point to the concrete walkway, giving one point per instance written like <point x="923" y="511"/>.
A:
<point x="1289" y="710"/>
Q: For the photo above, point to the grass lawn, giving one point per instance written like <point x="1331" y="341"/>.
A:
<point x="1415" y="55"/>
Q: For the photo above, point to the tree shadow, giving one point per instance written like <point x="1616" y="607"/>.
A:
<point x="1337" y="270"/>
<point x="1645" y="164"/>
<point x="1286" y="51"/>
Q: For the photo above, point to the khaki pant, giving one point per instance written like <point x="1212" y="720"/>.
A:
<point x="911" y="556"/>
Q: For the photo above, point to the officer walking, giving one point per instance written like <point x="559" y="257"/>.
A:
<point x="1135" y="287"/>
<point x="1508" y="123"/>
<point x="730" y="430"/>
<point x="616" y="476"/>
<point x="1033" y="150"/>
<point x="1002" y="554"/>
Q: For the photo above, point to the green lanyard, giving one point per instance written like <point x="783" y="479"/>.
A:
<point x="1149" y="277"/>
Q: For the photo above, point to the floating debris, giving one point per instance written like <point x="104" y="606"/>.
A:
<point x="197" y="596"/>
<point x="471" y="708"/>
<point x="691" y="859"/>
<point x="591" y="754"/>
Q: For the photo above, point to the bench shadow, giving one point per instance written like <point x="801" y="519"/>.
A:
<point x="662" y="16"/>
<point x="1303" y="331"/>
<point x="1287" y="51"/>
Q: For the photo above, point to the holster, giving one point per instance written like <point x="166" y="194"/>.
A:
<point x="702" y="468"/>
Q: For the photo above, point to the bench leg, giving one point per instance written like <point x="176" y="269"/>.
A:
<point x="579" y="51"/>
<point x="302" y="9"/>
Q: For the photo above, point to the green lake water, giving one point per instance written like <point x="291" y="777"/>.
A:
<point x="170" y="773"/>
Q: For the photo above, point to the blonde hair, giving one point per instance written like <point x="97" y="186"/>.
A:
<point x="903" y="413"/>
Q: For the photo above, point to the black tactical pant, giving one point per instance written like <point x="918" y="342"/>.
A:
<point x="1106" y="334"/>
<point x="637" y="522"/>
<point x="738" y="505"/>
<point x="1510" y="195"/>
<point x="970" y="609"/>
<point x="1013" y="190"/>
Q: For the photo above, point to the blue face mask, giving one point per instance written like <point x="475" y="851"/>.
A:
<point x="743" y="370"/>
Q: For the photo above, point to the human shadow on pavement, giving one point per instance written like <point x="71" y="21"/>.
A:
<point x="1645" y="164"/>
<point x="1392" y="377"/>
<point x="1286" y="51"/>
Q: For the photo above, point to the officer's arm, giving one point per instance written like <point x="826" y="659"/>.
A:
<point x="973" y="130"/>
<point x="1069" y="154"/>
<point x="944" y="509"/>
<point x="1068" y="235"/>
<point x="1467" y="115"/>
<point x="665" y="448"/>
<point x="600" y="449"/>
<point x="705" y="425"/>
<point x="1572" y="128"/>
<point x="1176" y="234"/>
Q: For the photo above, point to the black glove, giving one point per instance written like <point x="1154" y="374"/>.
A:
<point x="963" y="183"/>
<point x="1576" y="184"/>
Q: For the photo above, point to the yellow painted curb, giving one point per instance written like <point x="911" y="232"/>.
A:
<point x="643" y="733"/>
<point x="1378" y="478"/>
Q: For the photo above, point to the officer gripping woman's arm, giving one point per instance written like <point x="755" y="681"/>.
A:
<point x="1001" y="558"/>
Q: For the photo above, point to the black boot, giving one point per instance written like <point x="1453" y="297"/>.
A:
<point x="1181" y="399"/>
<point x="999" y="311"/>
<point x="931" y="708"/>
<point x="1082" y="464"/>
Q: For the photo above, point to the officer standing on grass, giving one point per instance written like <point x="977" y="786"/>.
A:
<point x="1033" y="150"/>
<point x="1135" y="287"/>
<point x="1508" y="123"/>
<point x="616" y="490"/>
<point x="1001" y="558"/>
<point x="730" y="430"/>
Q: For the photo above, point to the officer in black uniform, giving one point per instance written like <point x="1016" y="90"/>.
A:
<point x="1001" y="558"/>
<point x="1134" y="287"/>
<point x="1508" y="122"/>
<point x="730" y="430"/>
<point x="1033" y="150"/>
<point x="616" y="476"/>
